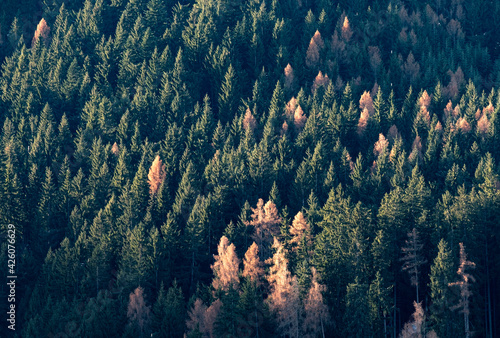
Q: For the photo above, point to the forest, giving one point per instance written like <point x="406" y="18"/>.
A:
<point x="250" y="168"/>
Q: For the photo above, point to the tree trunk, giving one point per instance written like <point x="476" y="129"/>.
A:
<point x="322" y="328"/>
<point x="394" y="311"/>
<point x="466" y="319"/>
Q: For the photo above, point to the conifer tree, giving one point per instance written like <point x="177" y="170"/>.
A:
<point x="464" y="285"/>
<point x="440" y="276"/>
<point x="100" y="316"/>
<point x="253" y="269"/>
<point x="417" y="327"/>
<point x="42" y="31"/>
<point x="225" y="267"/>
<point x="379" y="298"/>
<point x="227" y="95"/>
<point x="356" y="316"/>
<point x="210" y="317"/>
<point x="139" y="313"/>
<point x="301" y="232"/>
<point x="265" y="221"/>
<point x="135" y="265"/>
<point x="316" y="311"/>
<point x="156" y="175"/>
<point x="168" y="313"/>
<point x="196" y="319"/>
<point x="413" y="258"/>
<point x="290" y="80"/>
<point x="284" y="298"/>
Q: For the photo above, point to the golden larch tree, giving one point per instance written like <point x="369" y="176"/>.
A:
<point x="284" y="128"/>
<point x="483" y="125"/>
<point x="411" y="68"/>
<point x="424" y="100"/>
<point x="416" y="150"/>
<point x="290" y="107"/>
<point x="423" y="114"/>
<point x="416" y="328"/>
<point x="115" y="150"/>
<point x="463" y="125"/>
<point x="381" y="145"/>
<point x="289" y="78"/>
<point x="457" y="81"/>
<point x="156" y="175"/>
<point x="252" y="265"/>
<point x="316" y="311"/>
<point x="43" y="31"/>
<point x="299" y="119"/>
<point x="249" y="121"/>
<point x="211" y="317"/>
<point x="300" y="231"/>
<point x="284" y="298"/>
<point x="320" y="80"/>
<point x="438" y="127"/>
<point x="318" y="39"/>
<point x="312" y="54"/>
<point x="337" y="45"/>
<point x="202" y="319"/>
<point x="196" y="317"/>
<point x="137" y="311"/>
<point x="226" y="266"/>
<point x="393" y="132"/>
<point x="346" y="29"/>
<point x="366" y="101"/>
<point x="265" y="222"/>
<point x="363" y="121"/>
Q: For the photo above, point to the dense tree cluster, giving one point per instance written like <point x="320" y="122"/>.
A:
<point x="299" y="168"/>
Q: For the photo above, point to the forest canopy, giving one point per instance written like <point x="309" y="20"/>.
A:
<point x="251" y="168"/>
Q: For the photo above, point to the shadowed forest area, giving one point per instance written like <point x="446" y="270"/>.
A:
<point x="251" y="168"/>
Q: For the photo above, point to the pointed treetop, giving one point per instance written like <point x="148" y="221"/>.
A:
<point x="226" y="266"/>
<point x="284" y="128"/>
<point x="42" y="30"/>
<point x="320" y="80"/>
<point x="137" y="310"/>
<point x="300" y="229"/>
<point x="488" y="109"/>
<point x="318" y="39"/>
<point x="380" y="145"/>
<point x="424" y="100"/>
<point x="299" y="119"/>
<point x="366" y="101"/>
<point x="249" y="122"/>
<point x="252" y="265"/>
<point x="483" y="124"/>
<point x="196" y="317"/>
<point x="289" y="77"/>
<point x="438" y="127"/>
<point x="115" y="150"/>
<point x="463" y="125"/>
<point x="291" y="106"/>
<point x="312" y="54"/>
<point x="416" y="152"/>
<point x="363" y="121"/>
<point x="346" y="29"/>
<point x="156" y="175"/>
